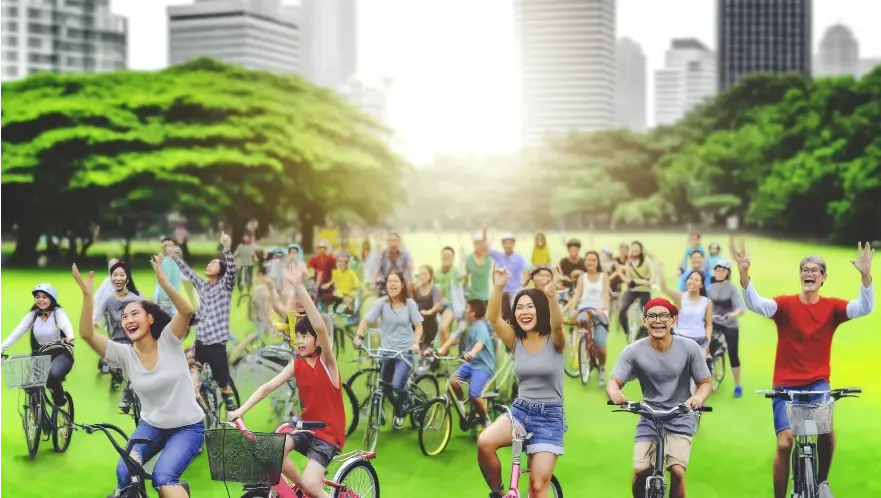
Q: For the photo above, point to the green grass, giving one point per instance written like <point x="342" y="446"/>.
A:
<point x="731" y="457"/>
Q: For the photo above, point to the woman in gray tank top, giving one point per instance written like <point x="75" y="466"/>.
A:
<point x="537" y="339"/>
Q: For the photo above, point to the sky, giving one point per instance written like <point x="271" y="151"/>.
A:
<point x="452" y="62"/>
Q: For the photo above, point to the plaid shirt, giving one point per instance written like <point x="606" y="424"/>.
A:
<point x="214" y="301"/>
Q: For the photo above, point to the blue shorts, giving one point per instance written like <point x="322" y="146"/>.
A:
<point x="179" y="448"/>
<point x="476" y="379"/>
<point x="781" y="417"/>
<point x="546" y="422"/>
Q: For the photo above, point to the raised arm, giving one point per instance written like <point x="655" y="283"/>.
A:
<point x="557" y="333"/>
<point x="502" y="328"/>
<point x="274" y="301"/>
<point x="180" y="323"/>
<point x="865" y="303"/>
<point x="229" y="278"/>
<point x="188" y="272"/>
<point x="576" y="296"/>
<point x="294" y="278"/>
<point x="263" y="391"/>
<point x="676" y="294"/>
<point x="97" y="342"/>
<point x="751" y="298"/>
<point x="19" y="331"/>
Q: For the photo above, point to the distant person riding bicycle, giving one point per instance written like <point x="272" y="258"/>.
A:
<point x="393" y="258"/>
<point x="572" y="266"/>
<point x="637" y="276"/>
<point x="246" y="256"/>
<point x="695" y="317"/>
<point x="430" y="301"/>
<point x="592" y="292"/>
<point x="727" y="307"/>
<point x="697" y="264"/>
<point x="173" y="274"/>
<point x="344" y="284"/>
<point x="449" y="282"/>
<point x="478" y="270"/>
<point x="806" y="323"/>
<point x="694" y="244"/>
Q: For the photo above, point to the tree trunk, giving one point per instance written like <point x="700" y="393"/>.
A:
<point x="71" y="248"/>
<point x="26" y="240"/>
<point x="127" y="250"/>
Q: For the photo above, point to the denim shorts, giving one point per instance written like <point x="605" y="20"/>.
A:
<point x="781" y="417"/>
<point x="179" y="447"/>
<point x="475" y="378"/>
<point x="546" y="422"/>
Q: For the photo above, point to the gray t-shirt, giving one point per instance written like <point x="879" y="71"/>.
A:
<point x="726" y="299"/>
<point x="540" y="375"/>
<point x="664" y="378"/>
<point x="111" y="307"/>
<point x="397" y="323"/>
<point x="168" y="399"/>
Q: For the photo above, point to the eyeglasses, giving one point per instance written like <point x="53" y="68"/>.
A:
<point x="657" y="317"/>
<point x="812" y="271"/>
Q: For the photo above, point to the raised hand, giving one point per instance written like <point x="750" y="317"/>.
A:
<point x="86" y="285"/>
<point x="863" y="261"/>
<point x="157" y="268"/>
<point x="225" y="241"/>
<point x="501" y="276"/>
<point x="550" y="290"/>
<point x="293" y="275"/>
<point x="742" y="257"/>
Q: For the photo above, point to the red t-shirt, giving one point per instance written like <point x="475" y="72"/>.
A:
<point x="323" y="265"/>
<point x="804" y="339"/>
<point x="321" y="400"/>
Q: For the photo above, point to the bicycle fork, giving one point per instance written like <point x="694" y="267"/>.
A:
<point x="804" y="470"/>
<point x="655" y="485"/>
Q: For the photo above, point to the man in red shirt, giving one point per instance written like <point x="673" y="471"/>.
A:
<point x="806" y="323"/>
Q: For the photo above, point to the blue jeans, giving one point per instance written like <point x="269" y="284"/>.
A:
<point x="546" y="422"/>
<point x="395" y="371"/>
<point x="179" y="447"/>
<point x="781" y="416"/>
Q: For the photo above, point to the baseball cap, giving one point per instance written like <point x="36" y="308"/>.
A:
<point x="723" y="264"/>
<point x="508" y="236"/>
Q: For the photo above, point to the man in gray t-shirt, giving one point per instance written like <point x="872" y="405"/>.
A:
<point x="665" y="366"/>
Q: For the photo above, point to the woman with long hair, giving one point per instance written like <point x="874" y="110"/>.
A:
<point x="637" y="275"/>
<point x="592" y="291"/>
<point x="155" y="364"/>
<point x="428" y="298"/>
<point x="400" y="330"/>
<point x="536" y="337"/>
<point x="541" y="255"/>
<point x="48" y="323"/>
<point x="728" y="305"/>
<point x="695" y="319"/>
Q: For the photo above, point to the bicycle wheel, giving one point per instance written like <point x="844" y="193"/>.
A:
<point x="584" y="359"/>
<point x="353" y="414"/>
<point x="718" y="370"/>
<point x="808" y="478"/>
<point x="428" y="385"/>
<point x="570" y="354"/>
<point x="555" y="490"/>
<point x="62" y="432"/>
<point x="32" y="419"/>
<point x="436" y="428"/>
<point x="358" y="479"/>
<point x="371" y="432"/>
<point x="211" y="408"/>
<point x="136" y="409"/>
<point x="362" y="384"/>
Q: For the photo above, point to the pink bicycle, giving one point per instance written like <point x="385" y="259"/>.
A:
<point x="517" y="443"/>
<point x="254" y="459"/>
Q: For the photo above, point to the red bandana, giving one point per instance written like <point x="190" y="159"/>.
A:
<point x="658" y="301"/>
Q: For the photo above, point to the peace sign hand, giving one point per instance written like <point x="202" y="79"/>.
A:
<point x="86" y="285"/>
<point x="157" y="268"/>
<point x="293" y="275"/>
<point x="742" y="258"/>
<point x="863" y="261"/>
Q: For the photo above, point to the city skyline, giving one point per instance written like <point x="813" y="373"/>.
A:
<point x="439" y="78"/>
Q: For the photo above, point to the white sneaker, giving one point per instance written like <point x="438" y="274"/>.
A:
<point x="824" y="491"/>
<point x="398" y="422"/>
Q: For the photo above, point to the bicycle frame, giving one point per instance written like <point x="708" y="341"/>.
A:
<point x="136" y="469"/>
<point x="517" y="441"/>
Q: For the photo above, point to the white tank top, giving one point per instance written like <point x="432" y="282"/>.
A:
<point x="692" y="318"/>
<point x="591" y="292"/>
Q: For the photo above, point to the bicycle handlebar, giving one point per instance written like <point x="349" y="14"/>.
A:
<point x="791" y="395"/>
<point x="431" y="353"/>
<point x="641" y="408"/>
<point x="124" y="453"/>
<point x="378" y="354"/>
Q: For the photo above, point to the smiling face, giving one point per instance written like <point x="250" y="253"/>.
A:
<point x="635" y="250"/>
<point x="694" y="282"/>
<point x="118" y="278"/>
<point x="446" y="257"/>
<point x="540" y="240"/>
<point x="42" y="300"/>
<point x="293" y="253"/>
<point x="394" y="242"/>
<point x="720" y="274"/>
<point x="525" y="314"/>
<point x="695" y="240"/>
<point x="697" y="261"/>
<point x="591" y="263"/>
<point x="136" y="321"/>
<point x="812" y="277"/>
<point x="393" y="285"/>
<point x="659" y="322"/>
<point x="480" y="247"/>
<point x="342" y="263"/>
<point x="424" y="276"/>
<point x="213" y="268"/>
<point x="542" y="278"/>
<point x="573" y="252"/>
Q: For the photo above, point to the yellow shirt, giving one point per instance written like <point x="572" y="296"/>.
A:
<point x="331" y="235"/>
<point x="346" y="281"/>
<point x="541" y="256"/>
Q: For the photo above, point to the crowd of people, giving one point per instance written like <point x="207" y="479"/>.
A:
<point x="487" y="295"/>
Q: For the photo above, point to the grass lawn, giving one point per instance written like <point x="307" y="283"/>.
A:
<point x="731" y="457"/>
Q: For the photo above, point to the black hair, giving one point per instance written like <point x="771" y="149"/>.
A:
<point x="130" y="282"/>
<point x="542" y="312"/>
<point x="478" y="307"/>
<point x="696" y="251"/>
<point x="167" y="239"/>
<point x="448" y="248"/>
<point x="430" y="271"/>
<point x="261" y="270"/>
<point x="641" y="251"/>
<point x="304" y="327"/>
<point x="161" y="319"/>
<point x="405" y="288"/>
<point x="599" y="265"/>
<point x="223" y="268"/>
<point x="703" y="289"/>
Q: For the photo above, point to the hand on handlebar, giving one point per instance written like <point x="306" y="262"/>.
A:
<point x="234" y="414"/>
<point x="618" y="398"/>
<point x="467" y="356"/>
<point x="358" y="342"/>
<point x="694" y="403"/>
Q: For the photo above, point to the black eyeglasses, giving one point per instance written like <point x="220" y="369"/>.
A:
<point x="812" y="271"/>
<point x="657" y="317"/>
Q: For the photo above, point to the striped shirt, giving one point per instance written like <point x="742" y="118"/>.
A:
<point x="214" y="301"/>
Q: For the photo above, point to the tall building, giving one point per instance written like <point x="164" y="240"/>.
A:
<point x="867" y="65"/>
<point x="688" y="78"/>
<point x="566" y="51"/>
<point x="329" y="41"/>
<point x="630" y="85"/>
<point x="839" y="53"/>
<point x="763" y="36"/>
<point x="61" y="36"/>
<point x="255" y="34"/>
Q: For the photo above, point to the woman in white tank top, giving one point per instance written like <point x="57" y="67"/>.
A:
<point x="695" y="319"/>
<point x="592" y="291"/>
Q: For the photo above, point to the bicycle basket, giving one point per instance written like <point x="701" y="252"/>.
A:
<point x="233" y="458"/>
<point x="810" y="419"/>
<point x="25" y="371"/>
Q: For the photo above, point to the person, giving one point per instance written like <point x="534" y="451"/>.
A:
<point x="319" y="387"/>
<point x="329" y="234"/>
<point x="344" y="284"/>
<point x="541" y="255"/>
<point x="322" y="263"/>
<point x="541" y="277"/>
<point x="124" y="290"/>
<point x="665" y="365"/>
<point x="368" y="259"/>
<point x="694" y="244"/>
<point x="448" y="281"/>
<point x="616" y="284"/>
<point x="727" y="307"/>
<point x="637" y="275"/>
<point x="695" y="318"/>
<point x="478" y="271"/>
<point x="401" y="330"/>
<point x="572" y="266"/>
<point x="48" y="323"/>
<point x="212" y="331"/>
<point x="697" y="265"/>
<point x="536" y="337"/>
<point x="246" y="255"/>
<point x="430" y="301"/>
<point x="479" y="353"/>
<point x="106" y="287"/>
<point x="516" y="265"/>
<point x="394" y="258"/>
<point x="172" y="273"/>
<point x="295" y="255"/>
<point x="275" y="266"/>
<point x="592" y="291"/>
<point x="714" y="256"/>
<point x="171" y="419"/>
<point x="806" y="323"/>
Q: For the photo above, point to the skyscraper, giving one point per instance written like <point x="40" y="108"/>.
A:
<point x="62" y="37"/>
<point x="839" y="53"/>
<point x="630" y="86"/>
<point x="566" y="51"/>
<point x="688" y="77"/>
<point x="763" y="36"/>
<point x="329" y="41"/>
<point x="255" y="34"/>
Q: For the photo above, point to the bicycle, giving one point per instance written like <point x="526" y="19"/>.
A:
<point x="518" y="441"/>
<point x="139" y="475"/>
<point x="29" y="373"/>
<point x="634" y="321"/>
<point x="257" y="367"/>
<point x="208" y="394"/>
<point x="717" y="360"/>
<point x="656" y="484"/>
<point x="810" y="415"/>
<point x="255" y="460"/>
<point x="583" y="350"/>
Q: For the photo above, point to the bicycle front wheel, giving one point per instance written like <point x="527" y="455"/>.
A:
<point x="718" y="370"/>
<point x="32" y="419"/>
<point x="359" y="478"/>
<point x="371" y="432"/>
<point x="570" y="354"/>
<point x="428" y="385"/>
<point x="353" y="414"/>
<point x="436" y="428"/>
<point x="584" y="359"/>
<point x="63" y="430"/>
<point x="809" y="480"/>
<point x="555" y="490"/>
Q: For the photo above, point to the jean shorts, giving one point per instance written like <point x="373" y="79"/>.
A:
<point x="179" y="448"/>
<point x="475" y="378"/>
<point x="781" y="417"/>
<point x="546" y="422"/>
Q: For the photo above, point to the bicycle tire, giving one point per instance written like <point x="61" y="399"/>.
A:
<point x="718" y="371"/>
<point x="32" y="421"/>
<point x="136" y="409"/>
<point x="354" y="412"/>
<point x="357" y="465"/>
<point x="212" y="411"/>
<point x="428" y="384"/>
<point x="437" y="410"/>
<point x="584" y="360"/>
<point x="809" y="480"/>
<point x="371" y="432"/>
<point x="368" y="375"/>
<point x="554" y="489"/>
<point x="570" y="354"/>
<point x="60" y="437"/>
